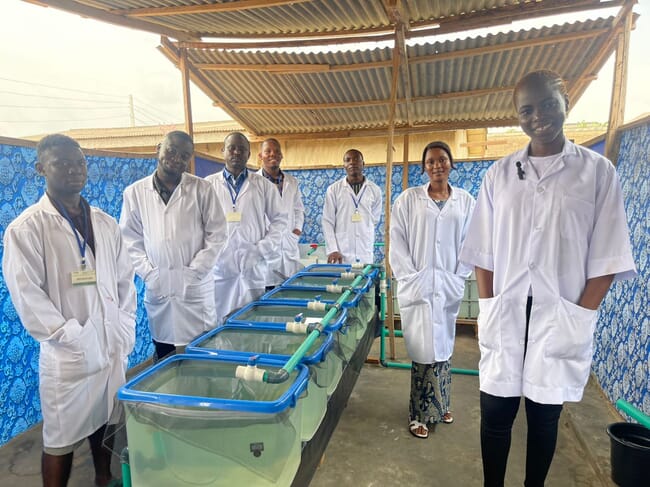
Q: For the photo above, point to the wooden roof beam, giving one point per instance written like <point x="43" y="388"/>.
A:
<point x="370" y="103"/>
<point x="208" y="86"/>
<point x="286" y="68"/>
<point x="203" y="9"/>
<point x="506" y="15"/>
<point x="78" y="8"/>
<point x="399" y="129"/>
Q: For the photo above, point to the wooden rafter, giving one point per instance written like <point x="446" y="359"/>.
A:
<point x="209" y="8"/>
<point x="366" y="103"/>
<point x="207" y="85"/>
<point x="106" y="16"/>
<point x="578" y="87"/>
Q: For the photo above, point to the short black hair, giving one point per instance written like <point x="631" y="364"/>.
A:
<point x="54" y="140"/>
<point x="179" y="134"/>
<point x="438" y="144"/>
<point x="546" y="75"/>
<point x="271" y="140"/>
<point x="354" y="150"/>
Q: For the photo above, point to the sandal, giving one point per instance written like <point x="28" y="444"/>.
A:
<point x="419" y="430"/>
<point x="447" y="418"/>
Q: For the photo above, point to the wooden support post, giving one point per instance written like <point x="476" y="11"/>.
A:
<point x="390" y="318"/>
<point x="617" y="105"/>
<point x="187" y="102"/>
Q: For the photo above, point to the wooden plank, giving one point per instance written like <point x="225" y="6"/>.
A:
<point x="187" y="102"/>
<point x="405" y="162"/>
<point x="388" y="189"/>
<point x="268" y="68"/>
<point x="207" y="85"/>
<point x="106" y="16"/>
<point x="617" y="105"/>
<point x="209" y="8"/>
<point x="365" y="103"/>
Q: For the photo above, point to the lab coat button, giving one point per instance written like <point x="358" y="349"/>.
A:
<point x="531" y="265"/>
<point x="538" y="228"/>
<point x="521" y="342"/>
<point x="540" y="189"/>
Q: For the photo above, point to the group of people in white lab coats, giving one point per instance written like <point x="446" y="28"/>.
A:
<point x="546" y="238"/>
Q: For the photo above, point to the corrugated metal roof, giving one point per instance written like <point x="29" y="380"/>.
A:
<point x="473" y="78"/>
<point x="452" y="84"/>
<point x="247" y="18"/>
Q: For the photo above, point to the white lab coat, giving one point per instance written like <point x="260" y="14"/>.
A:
<point x="355" y="240"/>
<point x="548" y="235"/>
<point x="85" y="332"/>
<point x="424" y="246"/>
<point x="241" y="271"/>
<point x="174" y="248"/>
<point x="288" y="263"/>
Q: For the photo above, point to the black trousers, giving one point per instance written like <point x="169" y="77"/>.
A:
<point x="497" y="416"/>
<point x="162" y="350"/>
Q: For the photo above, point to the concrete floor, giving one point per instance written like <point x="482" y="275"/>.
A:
<point x="372" y="446"/>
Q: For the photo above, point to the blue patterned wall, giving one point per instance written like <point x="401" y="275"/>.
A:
<point x="622" y="348"/>
<point x="622" y="351"/>
<point x="20" y="186"/>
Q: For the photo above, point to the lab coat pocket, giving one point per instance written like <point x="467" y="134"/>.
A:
<point x="577" y="218"/>
<point x="82" y="357"/>
<point x="572" y="331"/>
<point x="120" y="326"/>
<point x="454" y="289"/>
<point x="489" y="322"/>
<point x="152" y="285"/>
<point x="413" y="290"/>
<point x="192" y="285"/>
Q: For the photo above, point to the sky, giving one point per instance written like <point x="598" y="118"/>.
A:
<point x="61" y="71"/>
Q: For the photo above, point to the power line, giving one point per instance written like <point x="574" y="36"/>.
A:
<point x="65" y="120"/>
<point x="156" y="121"/>
<point x="58" y="87"/>
<point x="159" y="110"/>
<point x="116" y="107"/>
<point x="54" y="97"/>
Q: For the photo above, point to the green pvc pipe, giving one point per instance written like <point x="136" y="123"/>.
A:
<point x="398" y="333"/>
<point x="634" y="413"/>
<point x="126" y="468"/>
<point x="400" y="365"/>
<point x="304" y="347"/>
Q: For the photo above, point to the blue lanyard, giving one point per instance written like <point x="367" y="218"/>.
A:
<point x="80" y="244"/>
<point x="234" y="186"/>
<point x="358" y="201"/>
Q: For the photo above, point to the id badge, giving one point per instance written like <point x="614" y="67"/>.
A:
<point x="83" y="277"/>
<point x="356" y="217"/>
<point x="233" y="216"/>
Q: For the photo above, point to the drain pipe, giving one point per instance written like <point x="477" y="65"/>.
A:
<point x="399" y="333"/>
<point x="642" y="418"/>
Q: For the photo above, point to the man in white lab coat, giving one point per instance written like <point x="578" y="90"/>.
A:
<point x="288" y="263"/>
<point x="175" y="229"/>
<point x="71" y="281"/>
<point x="547" y="239"/>
<point x="256" y="222"/>
<point x="351" y="213"/>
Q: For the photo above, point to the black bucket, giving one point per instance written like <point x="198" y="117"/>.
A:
<point x="630" y="454"/>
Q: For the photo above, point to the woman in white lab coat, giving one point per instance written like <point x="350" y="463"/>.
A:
<point x="548" y="237"/>
<point x="427" y="229"/>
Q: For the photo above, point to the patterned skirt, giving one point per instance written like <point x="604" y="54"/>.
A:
<point x="430" y="392"/>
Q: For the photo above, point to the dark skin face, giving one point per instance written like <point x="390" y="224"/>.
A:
<point x="236" y="151"/>
<point x="271" y="157"/>
<point x="437" y="166"/>
<point x="353" y="165"/>
<point x="65" y="171"/>
<point x="174" y="155"/>
<point x="541" y="109"/>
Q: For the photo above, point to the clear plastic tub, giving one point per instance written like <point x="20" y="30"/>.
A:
<point x="273" y="342"/>
<point x="190" y="421"/>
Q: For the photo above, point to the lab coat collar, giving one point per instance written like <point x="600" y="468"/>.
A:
<point x="569" y="152"/>
<point x="423" y="192"/>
